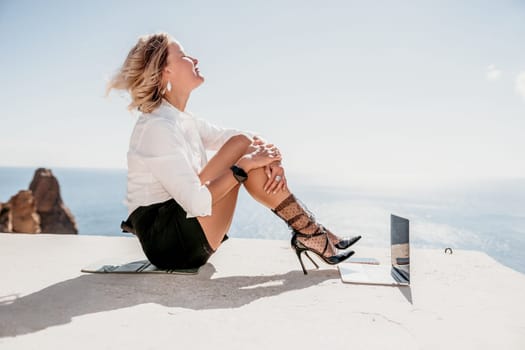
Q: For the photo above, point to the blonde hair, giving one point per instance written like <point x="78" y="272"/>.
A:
<point x="141" y="73"/>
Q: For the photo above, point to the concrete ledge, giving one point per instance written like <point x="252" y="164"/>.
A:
<point x="251" y="295"/>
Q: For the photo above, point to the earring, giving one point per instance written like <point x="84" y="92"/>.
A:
<point x="168" y="86"/>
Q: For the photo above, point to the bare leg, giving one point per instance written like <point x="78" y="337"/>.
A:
<point x="254" y="185"/>
<point x="271" y="201"/>
<point x="216" y="225"/>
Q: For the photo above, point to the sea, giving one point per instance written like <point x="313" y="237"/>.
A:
<point x="484" y="215"/>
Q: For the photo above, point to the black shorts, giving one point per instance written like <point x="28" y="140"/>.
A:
<point x="168" y="238"/>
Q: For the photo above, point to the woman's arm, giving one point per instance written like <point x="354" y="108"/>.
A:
<point x="214" y="137"/>
<point x="230" y="152"/>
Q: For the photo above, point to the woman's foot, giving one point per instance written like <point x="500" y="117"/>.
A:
<point x="319" y="243"/>
<point x="306" y="243"/>
<point x="302" y="221"/>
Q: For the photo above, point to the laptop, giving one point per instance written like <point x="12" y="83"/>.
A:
<point x="398" y="274"/>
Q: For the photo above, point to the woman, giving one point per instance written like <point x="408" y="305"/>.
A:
<point x="180" y="205"/>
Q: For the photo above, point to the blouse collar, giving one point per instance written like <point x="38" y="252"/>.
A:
<point x="174" y="110"/>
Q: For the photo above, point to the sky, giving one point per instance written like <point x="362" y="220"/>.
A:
<point x="378" y="92"/>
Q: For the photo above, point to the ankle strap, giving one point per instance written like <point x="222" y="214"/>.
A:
<point x="288" y="200"/>
<point x="304" y="235"/>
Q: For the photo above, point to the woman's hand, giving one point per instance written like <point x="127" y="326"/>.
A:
<point x="276" y="179"/>
<point x="262" y="155"/>
<point x="274" y="171"/>
<point x="257" y="142"/>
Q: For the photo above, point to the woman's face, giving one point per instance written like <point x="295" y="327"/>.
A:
<point x="181" y="70"/>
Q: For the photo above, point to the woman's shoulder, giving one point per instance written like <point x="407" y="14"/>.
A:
<point x="159" y="117"/>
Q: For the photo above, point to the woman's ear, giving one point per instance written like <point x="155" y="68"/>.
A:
<point x="168" y="73"/>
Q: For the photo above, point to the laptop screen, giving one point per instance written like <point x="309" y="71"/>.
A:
<point x="399" y="240"/>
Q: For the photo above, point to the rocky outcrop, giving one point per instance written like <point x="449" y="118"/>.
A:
<point x="23" y="213"/>
<point x="55" y="217"/>
<point x="6" y="219"/>
<point x="39" y="209"/>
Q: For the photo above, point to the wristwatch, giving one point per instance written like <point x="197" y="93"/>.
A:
<point x="239" y="173"/>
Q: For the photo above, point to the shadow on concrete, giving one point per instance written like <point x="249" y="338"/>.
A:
<point x="90" y="293"/>
<point x="407" y="293"/>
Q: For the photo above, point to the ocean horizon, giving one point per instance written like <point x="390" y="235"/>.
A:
<point x="484" y="215"/>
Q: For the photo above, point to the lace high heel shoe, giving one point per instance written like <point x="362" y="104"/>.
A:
<point x="300" y="247"/>
<point x="300" y="219"/>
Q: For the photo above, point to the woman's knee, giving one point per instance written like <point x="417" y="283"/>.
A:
<point x="238" y="143"/>
<point x="226" y="156"/>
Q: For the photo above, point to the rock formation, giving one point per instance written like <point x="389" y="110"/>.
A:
<point x="39" y="209"/>
<point x="55" y="217"/>
<point x="23" y="213"/>
<point x="6" y="220"/>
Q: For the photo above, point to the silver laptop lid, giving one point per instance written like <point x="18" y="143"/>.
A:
<point x="399" y="240"/>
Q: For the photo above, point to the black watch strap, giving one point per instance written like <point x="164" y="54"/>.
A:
<point x="239" y="173"/>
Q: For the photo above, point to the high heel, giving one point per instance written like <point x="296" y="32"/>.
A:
<point x="298" y="252"/>
<point x="300" y="219"/>
<point x="300" y="247"/>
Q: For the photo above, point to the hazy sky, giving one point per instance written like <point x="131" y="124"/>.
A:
<point x="385" y="91"/>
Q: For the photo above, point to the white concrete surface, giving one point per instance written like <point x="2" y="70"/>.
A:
<point x="251" y="295"/>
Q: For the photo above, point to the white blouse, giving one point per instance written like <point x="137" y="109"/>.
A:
<point x="167" y="151"/>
